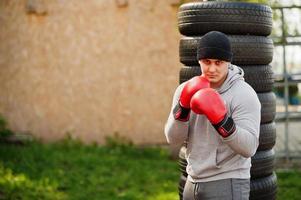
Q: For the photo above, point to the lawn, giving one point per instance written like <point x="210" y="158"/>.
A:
<point x="70" y="170"/>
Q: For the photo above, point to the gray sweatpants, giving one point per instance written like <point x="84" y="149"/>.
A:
<point x="226" y="189"/>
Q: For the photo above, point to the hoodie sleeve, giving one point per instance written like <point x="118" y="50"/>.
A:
<point x="176" y="132"/>
<point x="246" y="115"/>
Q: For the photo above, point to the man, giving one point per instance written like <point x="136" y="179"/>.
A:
<point x="218" y="115"/>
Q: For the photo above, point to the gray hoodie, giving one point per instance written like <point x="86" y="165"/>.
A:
<point x="211" y="157"/>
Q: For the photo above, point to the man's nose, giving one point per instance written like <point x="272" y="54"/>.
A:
<point x="212" y="68"/>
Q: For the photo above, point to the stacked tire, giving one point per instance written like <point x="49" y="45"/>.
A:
<point x="247" y="26"/>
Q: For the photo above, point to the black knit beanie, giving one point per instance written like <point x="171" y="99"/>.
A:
<point x="214" y="45"/>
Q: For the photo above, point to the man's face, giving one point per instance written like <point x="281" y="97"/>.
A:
<point x="215" y="71"/>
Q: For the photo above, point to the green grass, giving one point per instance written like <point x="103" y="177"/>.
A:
<point x="289" y="185"/>
<point x="71" y="171"/>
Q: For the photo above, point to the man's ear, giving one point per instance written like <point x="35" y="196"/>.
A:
<point x="201" y="66"/>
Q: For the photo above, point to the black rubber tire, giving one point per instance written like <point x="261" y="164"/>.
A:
<point x="260" y="77"/>
<point x="187" y="73"/>
<point x="268" y="106"/>
<point x="264" y="188"/>
<point x="182" y="161"/>
<point x="235" y="18"/>
<point x="247" y="50"/>
<point x="181" y="186"/>
<point x="267" y="137"/>
<point x="262" y="164"/>
<point x="183" y="167"/>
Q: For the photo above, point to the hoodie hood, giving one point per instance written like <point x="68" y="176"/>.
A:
<point x="235" y="74"/>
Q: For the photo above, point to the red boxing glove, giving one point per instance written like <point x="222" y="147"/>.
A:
<point x="210" y="103"/>
<point x="191" y="87"/>
<point x="182" y="110"/>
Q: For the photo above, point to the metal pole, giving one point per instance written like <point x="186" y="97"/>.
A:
<point x="286" y="92"/>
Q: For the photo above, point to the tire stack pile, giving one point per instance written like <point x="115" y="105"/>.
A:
<point x="247" y="26"/>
